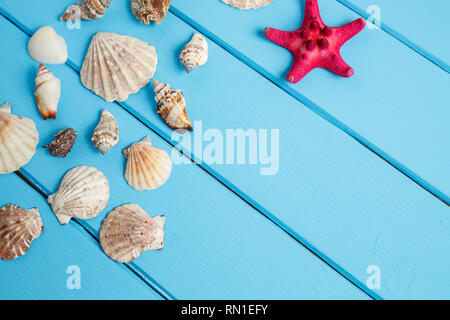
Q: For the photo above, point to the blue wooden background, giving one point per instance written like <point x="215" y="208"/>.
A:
<point x="364" y="176"/>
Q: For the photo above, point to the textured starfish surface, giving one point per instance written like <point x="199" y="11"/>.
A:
<point x="316" y="45"/>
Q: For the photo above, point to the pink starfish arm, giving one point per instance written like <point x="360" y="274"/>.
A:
<point x="299" y="70"/>
<point x="337" y="65"/>
<point x="312" y="10"/>
<point x="349" y="30"/>
<point x="282" y="38"/>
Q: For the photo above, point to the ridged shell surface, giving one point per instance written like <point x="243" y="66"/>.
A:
<point x="128" y="231"/>
<point x="106" y="134"/>
<point x="171" y="106"/>
<point x="147" y="167"/>
<point x="116" y="66"/>
<point x="195" y="53"/>
<point x="247" y="4"/>
<point x="18" y="140"/>
<point x="86" y="10"/>
<point x="18" y="228"/>
<point x="47" y="93"/>
<point x="83" y="193"/>
<point x="150" y="10"/>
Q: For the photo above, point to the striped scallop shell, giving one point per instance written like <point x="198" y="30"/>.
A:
<point x="150" y="10"/>
<point x="247" y="4"/>
<point x="147" y="167"/>
<point x="83" y="193"/>
<point x="86" y="10"/>
<point x="116" y="66"/>
<point x="195" y="53"/>
<point x="106" y="134"/>
<point x="18" y="140"/>
<point x="128" y="231"/>
<point x="18" y="228"/>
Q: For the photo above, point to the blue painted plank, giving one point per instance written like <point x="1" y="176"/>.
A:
<point x="216" y="246"/>
<point x="42" y="273"/>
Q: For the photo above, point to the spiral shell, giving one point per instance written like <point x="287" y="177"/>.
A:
<point x="128" y="231"/>
<point x="117" y="66"/>
<point x="18" y="228"/>
<point x="171" y="106"/>
<point x="195" y="53"/>
<point x="86" y="10"/>
<point x="150" y="10"/>
<point x="18" y="140"/>
<point x="47" y="93"/>
<point x="247" y="4"/>
<point x="83" y="193"/>
<point x="106" y="134"/>
<point x="147" y="167"/>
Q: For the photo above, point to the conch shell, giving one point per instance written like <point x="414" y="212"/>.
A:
<point x="83" y="193"/>
<point x="117" y="66"/>
<point x="171" y="106"/>
<point x="18" y="140"/>
<point x="47" y="93"/>
<point x="18" y="228"/>
<point x="106" y="134"/>
<point x="86" y="10"/>
<point x="247" y="4"/>
<point x="195" y="53"/>
<point x="147" y="167"/>
<point x="128" y="231"/>
<point x="150" y="10"/>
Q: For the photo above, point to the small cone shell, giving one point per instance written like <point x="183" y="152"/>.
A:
<point x="18" y="140"/>
<point x="171" y="106"/>
<point x="83" y="193"/>
<point x="195" y="53"/>
<point x="86" y="10"/>
<point x="150" y="10"/>
<point x="128" y="231"/>
<point x="106" y="134"/>
<point x="47" y="93"/>
<point x="247" y="4"/>
<point x="18" y="228"/>
<point x="62" y="143"/>
<point x="147" y="167"/>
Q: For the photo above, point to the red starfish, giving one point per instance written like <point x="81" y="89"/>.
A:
<point x="315" y="45"/>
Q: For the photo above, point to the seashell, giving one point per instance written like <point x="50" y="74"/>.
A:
<point x="18" y="140"/>
<point x="171" y="106"/>
<point x="106" y="134"/>
<point x="150" y="10"/>
<point x="247" y="4"/>
<point x="47" y="93"/>
<point x="83" y="193"/>
<point x="18" y="228"/>
<point x="117" y="66"/>
<point x="86" y="10"/>
<point x="147" y="167"/>
<point x="63" y="142"/>
<point x="195" y="53"/>
<point x="47" y="47"/>
<point x="128" y="231"/>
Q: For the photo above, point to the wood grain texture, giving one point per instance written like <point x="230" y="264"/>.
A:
<point x="216" y="246"/>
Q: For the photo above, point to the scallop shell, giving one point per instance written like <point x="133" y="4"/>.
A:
<point x="18" y="140"/>
<point x="106" y="134"/>
<point x="171" y="106"/>
<point x="86" y="10"/>
<point x="47" y="93"/>
<point x="150" y="10"/>
<point x="116" y="66"/>
<point x="18" y="228"/>
<point x="128" y="231"/>
<point x="83" y="193"/>
<point x="147" y="167"/>
<point x="247" y="4"/>
<point x="195" y="53"/>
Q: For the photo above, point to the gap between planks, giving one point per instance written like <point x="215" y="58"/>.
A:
<point x="215" y="175"/>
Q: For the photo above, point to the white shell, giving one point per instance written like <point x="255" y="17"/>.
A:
<point x="128" y="231"/>
<point x="147" y="167"/>
<point x="106" y="134"/>
<point x="195" y="53"/>
<point x="18" y="140"/>
<point x="83" y="193"/>
<point x="47" y="93"/>
<point x="116" y="66"/>
<point x="18" y="228"/>
<point x="247" y="4"/>
<point x="86" y="10"/>
<point x="47" y="47"/>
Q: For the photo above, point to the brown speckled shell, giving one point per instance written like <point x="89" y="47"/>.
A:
<point x="150" y="10"/>
<point x="86" y="10"/>
<point x="63" y="142"/>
